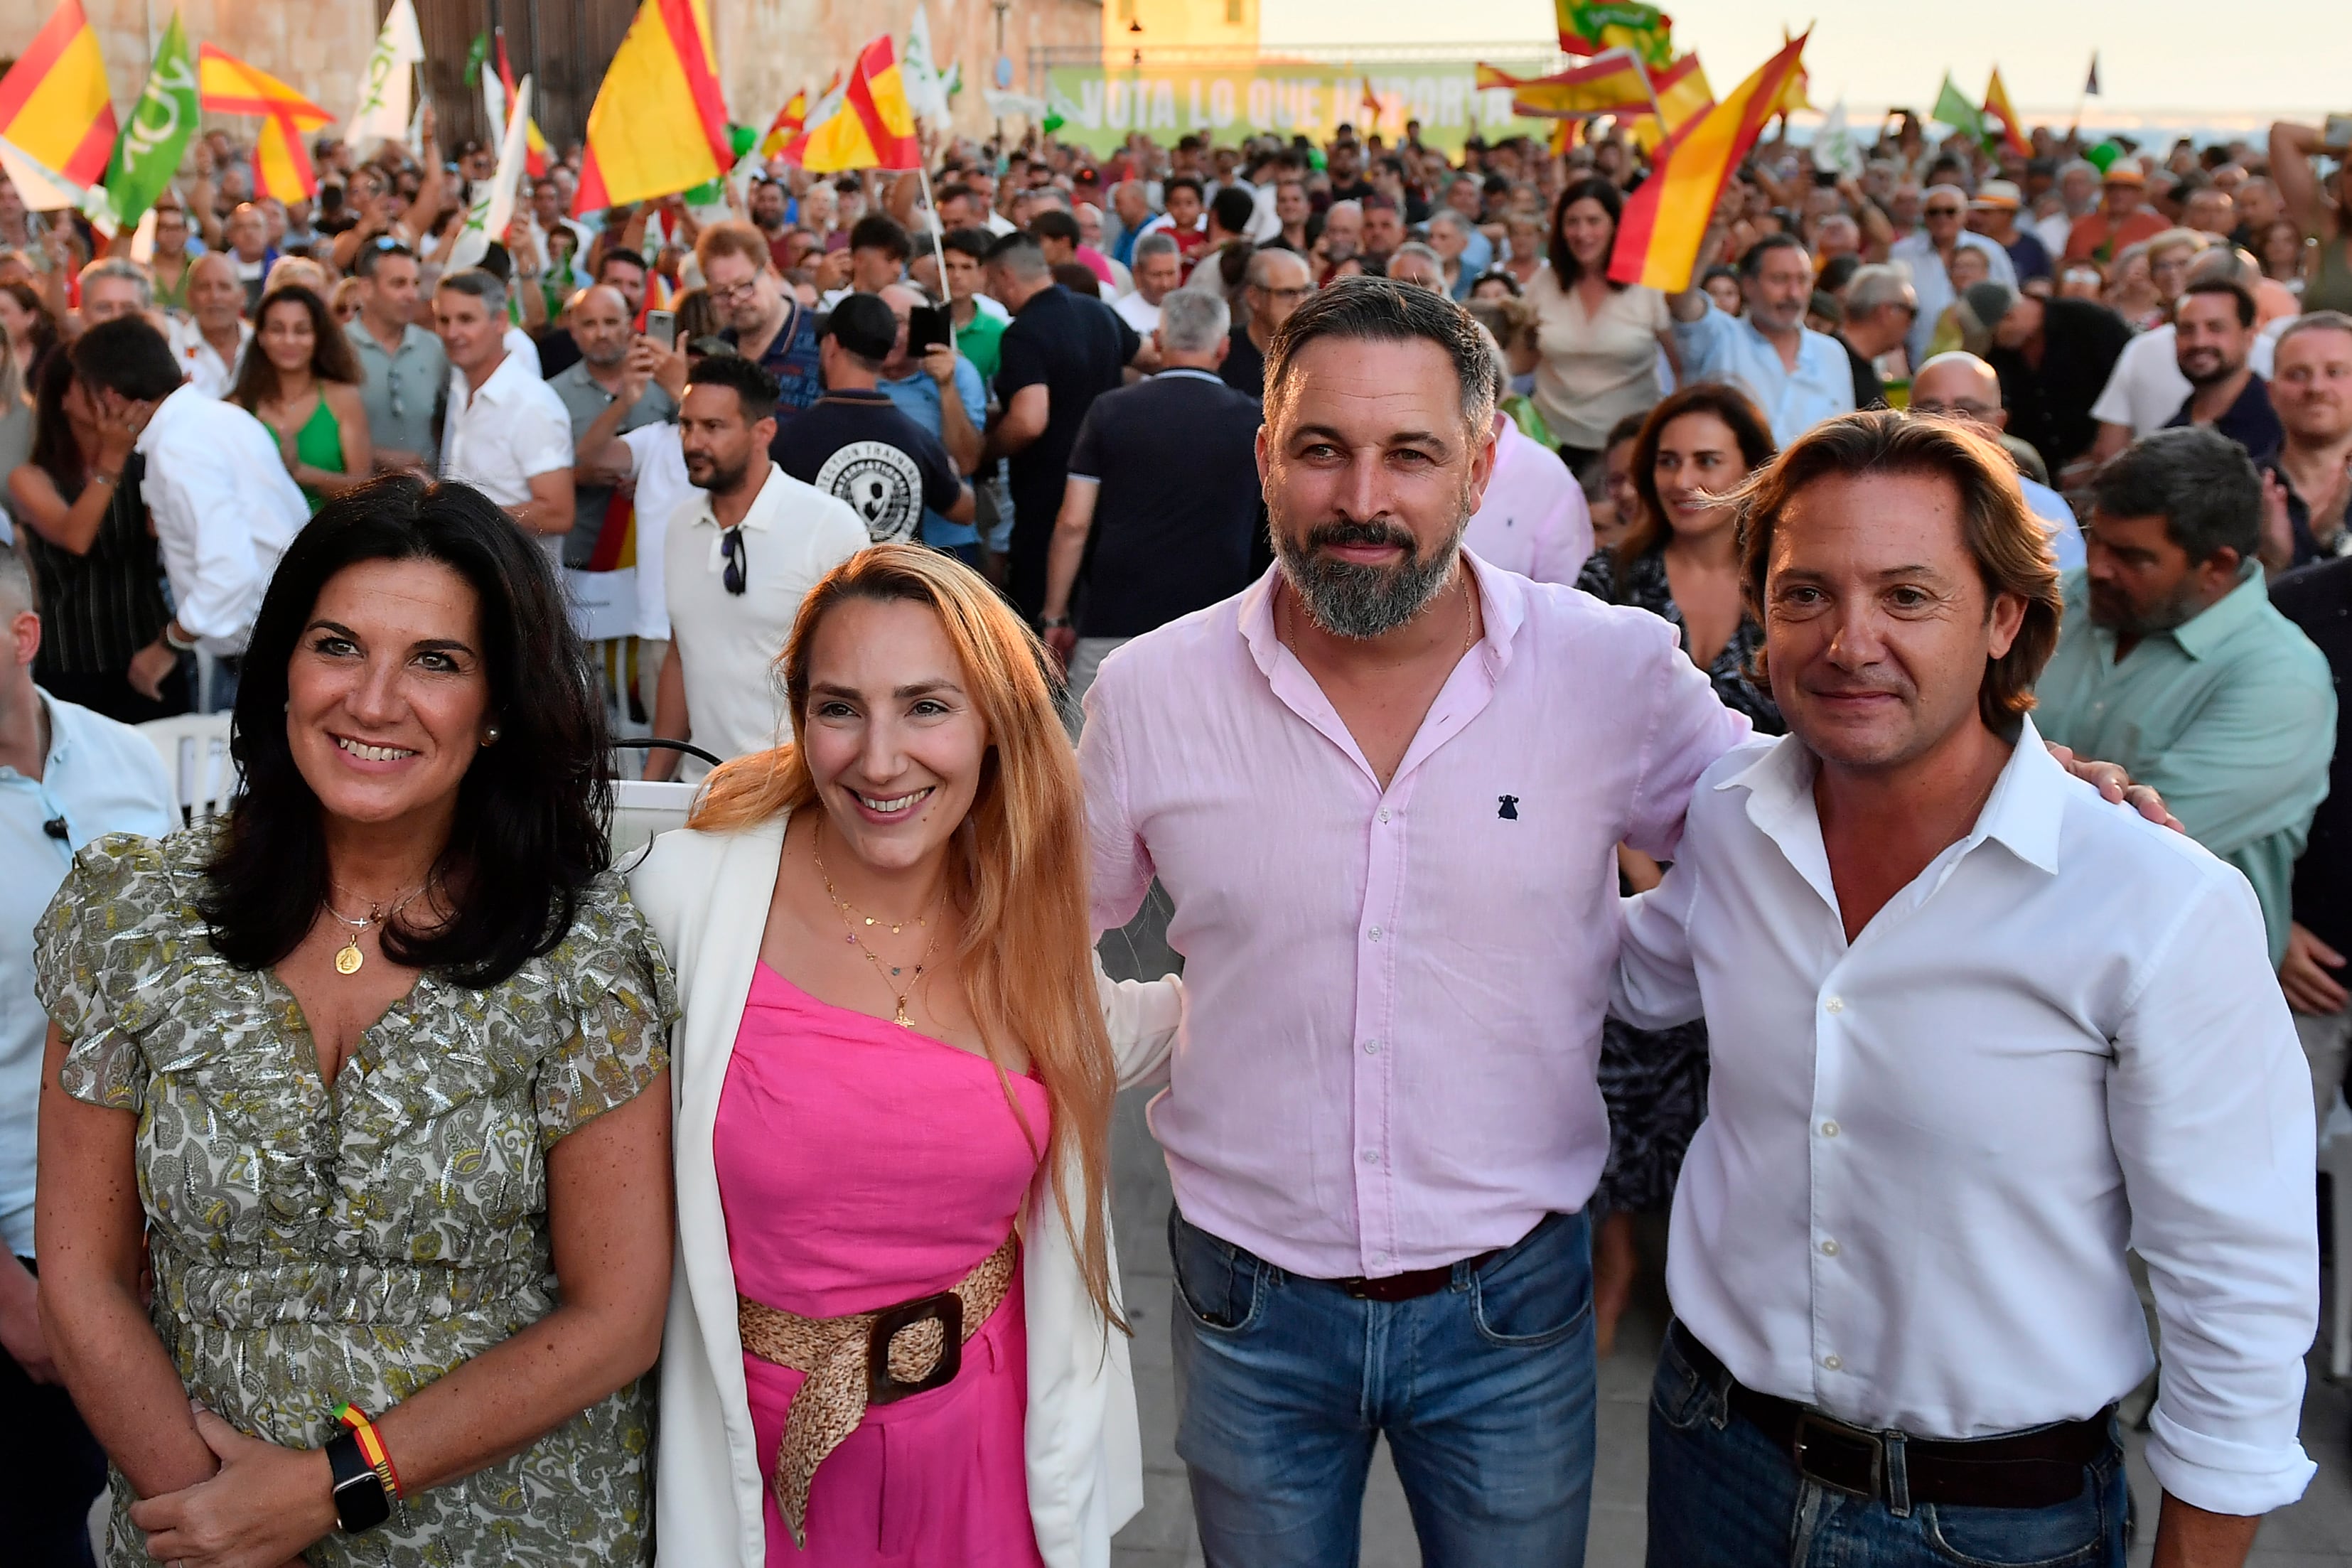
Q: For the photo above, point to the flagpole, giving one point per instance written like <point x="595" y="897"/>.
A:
<point x="939" y="247"/>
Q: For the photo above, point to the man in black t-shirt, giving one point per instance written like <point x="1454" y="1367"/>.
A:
<point x="2053" y="358"/>
<point x="1162" y="502"/>
<point x="1061" y="352"/>
<point x="853" y="443"/>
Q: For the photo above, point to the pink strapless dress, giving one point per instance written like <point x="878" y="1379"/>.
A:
<point x="862" y="1164"/>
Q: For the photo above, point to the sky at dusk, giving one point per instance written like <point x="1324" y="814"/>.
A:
<point x="2251" y="58"/>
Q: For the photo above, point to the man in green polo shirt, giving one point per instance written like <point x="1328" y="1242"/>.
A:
<point x="2172" y="663"/>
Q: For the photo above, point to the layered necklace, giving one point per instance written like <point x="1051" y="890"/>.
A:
<point x="894" y="976"/>
<point x="349" y="957"/>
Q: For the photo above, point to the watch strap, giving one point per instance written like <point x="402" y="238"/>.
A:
<point x="361" y="1500"/>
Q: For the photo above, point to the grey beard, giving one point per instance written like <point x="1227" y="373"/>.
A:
<point x="1363" y="602"/>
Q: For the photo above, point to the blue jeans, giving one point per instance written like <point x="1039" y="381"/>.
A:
<point x="1722" y="1495"/>
<point x="1485" y="1390"/>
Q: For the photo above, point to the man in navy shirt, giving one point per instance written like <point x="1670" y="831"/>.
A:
<point x="853" y="444"/>
<point x="1061" y="352"/>
<point x="2214" y="332"/>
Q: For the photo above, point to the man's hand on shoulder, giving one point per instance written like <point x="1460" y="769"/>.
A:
<point x="2114" y="784"/>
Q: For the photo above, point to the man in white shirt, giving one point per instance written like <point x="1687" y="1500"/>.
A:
<point x="210" y="341"/>
<point x="506" y="432"/>
<point x="1973" y="1033"/>
<point x="1928" y="254"/>
<point x="2147" y="385"/>
<point x="1158" y="271"/>
<point x="739" y="560"/>
<point x="216" y="488"/>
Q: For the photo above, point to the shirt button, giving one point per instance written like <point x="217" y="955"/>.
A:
<point x="1831" y="1363"/>
<point x="1834" y="1005"/>
<point x="1375" y="933"/>
<point x="1371" y="1157"/>
<point x="1371" y="1047"/>
<point x="1829" y="1249"/>
<point x="1384" y="814"/>
<point x="1829" y="1128"/>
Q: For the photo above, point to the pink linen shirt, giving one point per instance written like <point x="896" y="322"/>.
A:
<point x="1393" y="997"/>
<point x="1533" y="518"/>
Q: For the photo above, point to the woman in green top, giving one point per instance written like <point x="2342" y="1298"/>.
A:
<point x="301" y="379"/>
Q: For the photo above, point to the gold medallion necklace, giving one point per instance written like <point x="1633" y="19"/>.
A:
<point x="888" y="973"/>
<point x="349" y="957"/>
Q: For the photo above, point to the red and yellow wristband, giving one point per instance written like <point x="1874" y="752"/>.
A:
<point x="371" y="1444"/>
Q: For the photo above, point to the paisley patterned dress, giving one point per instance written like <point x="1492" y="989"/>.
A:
<point x="1654" y="1081"/>
<point x="310" y="1246"/>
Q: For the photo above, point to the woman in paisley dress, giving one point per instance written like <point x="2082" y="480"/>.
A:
<point x="372" y="1074"/>
<point x="1680" y="561"/>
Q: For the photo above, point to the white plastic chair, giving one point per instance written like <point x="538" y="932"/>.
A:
<point x="642" y="808"/>
<point x="195" y="749"/>
<point x="2336" y="1164"/>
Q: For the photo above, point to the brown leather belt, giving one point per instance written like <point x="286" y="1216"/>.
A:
<point x="1413" y="1284"/>
<point x="2040" y="1469"/>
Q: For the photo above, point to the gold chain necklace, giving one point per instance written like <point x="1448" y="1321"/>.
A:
<point x="349" y="958"/>
<point x="843" y="908"/>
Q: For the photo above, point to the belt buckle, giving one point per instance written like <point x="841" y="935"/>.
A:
<point x="1809" y="1420"/>
<point x="946" y="1309"/>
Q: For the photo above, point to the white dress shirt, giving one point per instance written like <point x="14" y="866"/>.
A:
<point x="200" y="362"/>
<point x="1720" y="347"/>
<point x="1533" y="518"/>
<point x="1138" y="312"/>
<point x="513" y="428"/>
<point x="657" y="468"/>
<point x="1926" y="1150"/>
<point x="1932" y="285"/>
<point x="224" y="509"/>
<point x="727" y="644"/>
<point x="99" y="777"/>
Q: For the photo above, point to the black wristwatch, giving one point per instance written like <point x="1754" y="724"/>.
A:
<point x="360" y="1501"/>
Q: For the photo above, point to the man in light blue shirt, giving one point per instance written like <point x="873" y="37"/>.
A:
<point x="1959" y="385"/>
<point x="1928" y="251"/>
<point x="1798" y="377"/>
<point x="951" y="406"/>
<point x="67" y="776"/>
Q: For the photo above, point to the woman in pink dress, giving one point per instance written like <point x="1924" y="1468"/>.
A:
<point x="894" y="1333"/>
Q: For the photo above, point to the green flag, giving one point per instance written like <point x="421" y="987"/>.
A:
<point x="147" y="153"/>
<point x="476" y="52"/>
<point x="1954" y="109"/>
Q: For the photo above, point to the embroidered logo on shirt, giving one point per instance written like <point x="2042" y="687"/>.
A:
<point x="1507" y="807"/>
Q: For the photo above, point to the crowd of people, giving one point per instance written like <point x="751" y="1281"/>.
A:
<point x="1607" y="752"/>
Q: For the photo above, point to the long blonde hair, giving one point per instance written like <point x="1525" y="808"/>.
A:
<point x="1026" y="945"/>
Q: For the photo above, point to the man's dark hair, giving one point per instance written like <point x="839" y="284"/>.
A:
<point x="621" y="254"/>
<point x="971" y="242"/>
<point x="529" y="831"/>
<point x="1182" y="183"/>
<point x="1232" y="208"/>
<point x="128" y="357"/>
<point x="1380" y="310"/>
<point x="879" y="231"/>
<point x="2231" y="287"/>
<point x="954" y="190"/>
<point x="1751" y="260"/>
<point x="2199" y="481"/>
<point x="1055" y="224"/>
<point x="373" y="254"/>
<point x="755" y="388"/>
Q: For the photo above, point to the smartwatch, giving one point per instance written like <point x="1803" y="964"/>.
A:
<point x="361" y="1500"/>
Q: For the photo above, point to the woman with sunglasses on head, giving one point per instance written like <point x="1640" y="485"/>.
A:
<point x="895" y="1334"/>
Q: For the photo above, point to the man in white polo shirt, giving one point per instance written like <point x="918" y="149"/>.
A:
<point x="506" y="433"/>
<point x="739" y="559"/>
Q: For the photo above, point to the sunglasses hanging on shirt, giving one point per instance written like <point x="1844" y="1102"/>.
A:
<point x="738" y="561"/>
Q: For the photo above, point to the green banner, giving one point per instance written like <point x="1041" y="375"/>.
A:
<point x="147" y="153"/>
<point x="1228" y="102"/>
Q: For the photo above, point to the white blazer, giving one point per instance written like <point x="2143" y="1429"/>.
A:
<point x="707" y="897"/>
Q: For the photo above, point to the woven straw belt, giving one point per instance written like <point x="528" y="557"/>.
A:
<point x="845" y="1374"/>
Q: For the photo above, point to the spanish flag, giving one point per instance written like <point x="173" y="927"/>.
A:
<point x="1682" y="91"/>
<point x="659" y="124"/>
<point x="535" y="162"/>
<point x="1658" y="237"/>
<point x="789" y="121"/>
<point x="281" y="165"/>
<point x="53" y="103"/>
<point x="873" y="128"/>
<point x="2012" y="129"/>
<point x="1612" y="82"/>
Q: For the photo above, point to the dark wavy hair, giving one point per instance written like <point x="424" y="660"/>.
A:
<point x="332" y="358"/>
<point x="530" y="830"/>
<point x="1726" y="403"/>
<point x="1565" y="267"/>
